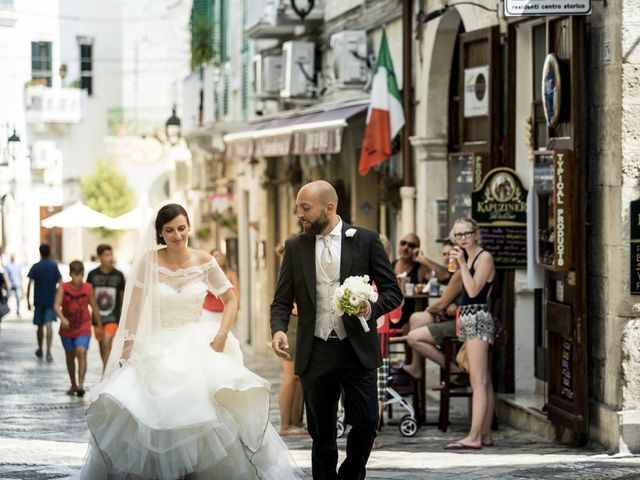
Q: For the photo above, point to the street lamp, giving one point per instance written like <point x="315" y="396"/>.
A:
<point x="12" y="144"/>
<point x="173" y="128"/>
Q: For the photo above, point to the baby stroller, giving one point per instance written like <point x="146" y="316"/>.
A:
<point x="408" y="424"/>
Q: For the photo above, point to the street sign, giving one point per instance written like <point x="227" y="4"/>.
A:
<point x="524" y="8"/>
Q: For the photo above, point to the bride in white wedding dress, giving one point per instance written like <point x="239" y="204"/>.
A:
<point x="176" y="400"/>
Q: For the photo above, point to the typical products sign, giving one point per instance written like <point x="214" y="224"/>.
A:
<point x="523" y="8"/>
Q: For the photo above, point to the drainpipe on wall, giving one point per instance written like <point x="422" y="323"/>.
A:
<point x="408" y="191"/>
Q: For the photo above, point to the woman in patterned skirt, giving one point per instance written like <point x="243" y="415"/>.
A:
<point x="476" y="329"/>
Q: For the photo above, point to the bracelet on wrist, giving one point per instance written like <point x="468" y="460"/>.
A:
<point x="225" y="332"/>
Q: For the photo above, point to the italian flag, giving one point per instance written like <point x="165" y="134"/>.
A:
<point x="385" y="117"/>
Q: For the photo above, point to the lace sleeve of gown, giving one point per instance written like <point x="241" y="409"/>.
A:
<point x="139" y="308"/>
<point x="216" y="279"/>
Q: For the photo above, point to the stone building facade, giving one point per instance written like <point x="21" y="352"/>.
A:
<point x="584" y="312"/>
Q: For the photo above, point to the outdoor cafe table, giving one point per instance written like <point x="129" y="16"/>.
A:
<point x="422" y="300"/>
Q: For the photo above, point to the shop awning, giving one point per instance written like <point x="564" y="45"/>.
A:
<point x="317" y="131"/>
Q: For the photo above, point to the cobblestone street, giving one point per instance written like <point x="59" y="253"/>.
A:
<point x="43" y="434"/>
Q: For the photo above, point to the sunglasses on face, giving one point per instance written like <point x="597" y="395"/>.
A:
<point x="405" y="243"/>
<point x="461" y="235"/>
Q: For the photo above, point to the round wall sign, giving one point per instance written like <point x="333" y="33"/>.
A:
<point x="551" y="90"/>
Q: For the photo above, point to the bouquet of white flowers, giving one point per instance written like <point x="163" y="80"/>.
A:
<point x="349" y="297"/>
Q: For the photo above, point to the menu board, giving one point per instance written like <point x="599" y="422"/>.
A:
<point x="500" y="208"/>
<point x="466" y="171"/>
<point x="508" y="245"/>
<point x="566" y="376"/>
<point x="460" y="186"/>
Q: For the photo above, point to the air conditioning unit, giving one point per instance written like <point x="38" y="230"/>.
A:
<point x="349" y="57"/>
<point x="298" y="59"/>
<point x="44" y="154"/>
<point x="268" y="75"/>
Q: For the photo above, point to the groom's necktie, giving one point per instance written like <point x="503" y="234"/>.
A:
<point x="327" y="260"/>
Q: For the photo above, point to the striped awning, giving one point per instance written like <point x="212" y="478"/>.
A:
<point x="317" y="131"/>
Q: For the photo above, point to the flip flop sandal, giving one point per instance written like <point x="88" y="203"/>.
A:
<point x="458" y="445"/>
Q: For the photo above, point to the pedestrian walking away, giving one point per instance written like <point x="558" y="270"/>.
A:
<point x="14" y="271"/>
<point x="290" y="396"/>
<point x="333" y="352"/>
<point x="72" y="303"/>
<point x="4" y="292"/>
<point x="108" y="290"/>
<point x="45" y="277"/>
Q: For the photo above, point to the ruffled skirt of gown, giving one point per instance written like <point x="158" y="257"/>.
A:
<point x="183" y="410"/>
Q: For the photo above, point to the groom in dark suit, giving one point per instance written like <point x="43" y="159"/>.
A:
<point x="333" y="351"/>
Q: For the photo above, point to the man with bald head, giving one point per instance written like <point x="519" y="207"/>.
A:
<point x="333" y="352"/>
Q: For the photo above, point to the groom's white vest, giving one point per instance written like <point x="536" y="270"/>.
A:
<point x="326" y="320"/>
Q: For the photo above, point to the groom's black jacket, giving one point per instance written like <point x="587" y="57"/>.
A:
<point x="361" y="254"/>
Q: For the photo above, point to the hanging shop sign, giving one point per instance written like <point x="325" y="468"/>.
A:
<point x="500" y="208"/>
<point x="476" y="91"/>
<point x="551" y="90"/>
<point x="524" y="8"/>
<point x="634" y="239"/>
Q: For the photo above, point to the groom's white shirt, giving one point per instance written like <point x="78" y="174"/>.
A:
<point x="326" y="319"/>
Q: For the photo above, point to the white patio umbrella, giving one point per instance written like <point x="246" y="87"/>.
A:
<point x="78" y="215"/>
<point x="133" y="220"/>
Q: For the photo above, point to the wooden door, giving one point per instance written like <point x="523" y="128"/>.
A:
<point x="561" y="315"/>
<point x="480" y="87"/>
<point x="565" y="299"/>
<point x="52" y="236"/>
<point x="480" y="129"/>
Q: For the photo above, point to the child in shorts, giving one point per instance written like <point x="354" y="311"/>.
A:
<point x="72" y="303"/>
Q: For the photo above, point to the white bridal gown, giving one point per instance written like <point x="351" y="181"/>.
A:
<point x="181" y="409"/>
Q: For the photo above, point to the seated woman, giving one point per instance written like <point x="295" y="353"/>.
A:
<point x="429" y="328"/>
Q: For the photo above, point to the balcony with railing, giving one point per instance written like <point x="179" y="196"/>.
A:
<point x="54" y="105"/>
<point x="277" y="19"/>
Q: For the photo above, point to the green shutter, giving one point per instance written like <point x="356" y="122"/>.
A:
<point x="225" y="94"/>
<point x="217" y="23"/>
<point x="245" y="63"/>
<point x="201" y="24"/>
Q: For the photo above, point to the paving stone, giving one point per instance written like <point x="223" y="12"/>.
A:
<point x="43" y="433"/>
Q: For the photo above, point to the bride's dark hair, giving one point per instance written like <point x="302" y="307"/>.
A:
<point x="165" y="215"/>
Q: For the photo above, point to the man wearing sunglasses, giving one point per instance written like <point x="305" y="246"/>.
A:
<point x="417" y="268"/>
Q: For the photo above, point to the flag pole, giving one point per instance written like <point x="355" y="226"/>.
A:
<point x="407" y="94"/>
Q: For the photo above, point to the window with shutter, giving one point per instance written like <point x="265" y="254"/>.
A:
<point x="41" y="62"/>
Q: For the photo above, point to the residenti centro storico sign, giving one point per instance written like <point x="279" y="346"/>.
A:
<point x="524" y="8"/>
<point x="499" y="206"/>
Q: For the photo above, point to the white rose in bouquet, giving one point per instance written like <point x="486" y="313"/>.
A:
<point x="349" y="297"/>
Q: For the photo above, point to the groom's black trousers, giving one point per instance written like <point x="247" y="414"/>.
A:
<point x="333" y="365"/>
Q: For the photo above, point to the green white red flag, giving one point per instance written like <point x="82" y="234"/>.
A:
<point x="385" y="117"/>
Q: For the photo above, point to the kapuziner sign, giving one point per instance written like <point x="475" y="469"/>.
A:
<point x="499" y="206"/>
